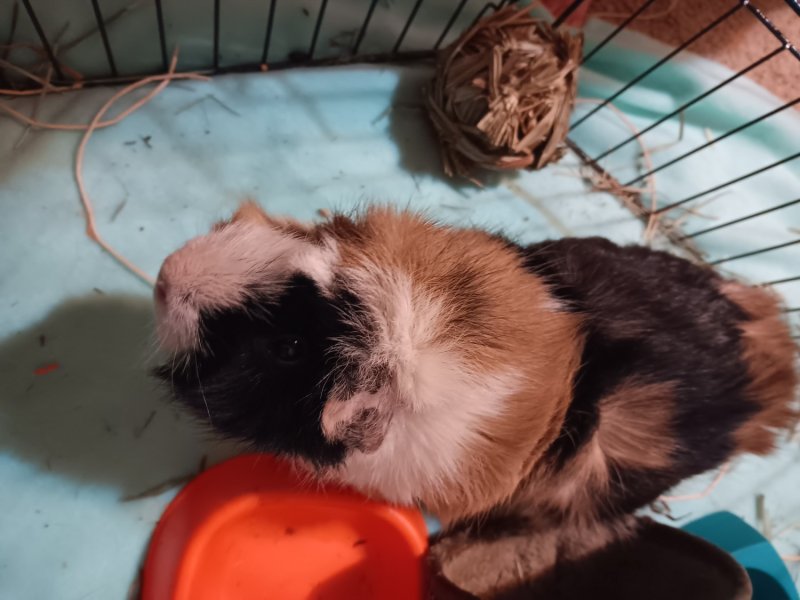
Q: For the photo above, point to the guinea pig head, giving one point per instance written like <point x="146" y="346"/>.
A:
<point x="381" y="350"/>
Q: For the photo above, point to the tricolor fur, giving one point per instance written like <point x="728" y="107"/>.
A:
<point x="450" y="368"/>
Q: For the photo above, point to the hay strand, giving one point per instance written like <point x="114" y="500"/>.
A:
<point x="97" y="122"/>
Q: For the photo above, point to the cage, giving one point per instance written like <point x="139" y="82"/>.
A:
<point x="685" y="136"/>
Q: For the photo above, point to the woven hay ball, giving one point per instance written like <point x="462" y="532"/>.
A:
<point x="503" y="92"/>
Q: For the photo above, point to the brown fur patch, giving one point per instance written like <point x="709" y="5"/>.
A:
<point x="770" y="354"/>
<point x="497" y="317"/>
<point x="634" y="432"/>
<point x="635" y="425"/>
<point x="576" y="489"/>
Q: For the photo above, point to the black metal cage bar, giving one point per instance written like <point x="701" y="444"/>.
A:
<point x="710" y="27"/>
<point x="216" y="33"/>
<point x="784" y="280"/>
<point x="568" y="12"/>
<point x="716" y="140"/>
<point x="490" y="6"/>
<point x="728" y="259"/>
<point x="162" y="36"/>
<point x="620" y="28"/>
<point x="730" y="182"/>
<point x="693" y="101"/>
<point x="101" y="27"/>
<point x="268" y="34"/>
<point x="363" y="30"/>
<point x="754" y="215"/>
<point x="43" y="39"/>
<point x="771" y="26"/>
<point x="406" y="27"/>
<point x="450" y="23"/>
<point x="317" y="26"/>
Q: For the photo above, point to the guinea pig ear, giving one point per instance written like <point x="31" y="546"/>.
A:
<point x="250" y="212"/>
<point x="359" y="422"/>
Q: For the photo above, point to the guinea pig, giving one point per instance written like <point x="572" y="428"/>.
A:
<point x="569" y="381"/>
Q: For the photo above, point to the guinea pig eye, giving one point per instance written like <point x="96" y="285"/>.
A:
<point x="289" y="349"/>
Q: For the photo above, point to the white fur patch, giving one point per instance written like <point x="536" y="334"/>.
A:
<point x="425" y="449"/>
<point x="221" y="269"/>
<point x="406" y="324"/>
<point x="439" y="403"/>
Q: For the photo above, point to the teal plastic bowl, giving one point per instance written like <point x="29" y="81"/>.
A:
<point x="768" y="573"/>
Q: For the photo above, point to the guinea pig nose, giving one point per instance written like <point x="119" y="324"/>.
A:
<point x="160" y="292"/>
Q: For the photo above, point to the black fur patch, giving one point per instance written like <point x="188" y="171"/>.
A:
<point x="654" y="318"/>
<point x="240" y="383"/>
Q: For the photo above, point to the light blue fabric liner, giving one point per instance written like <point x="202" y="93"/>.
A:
<point x="71" y="442"/>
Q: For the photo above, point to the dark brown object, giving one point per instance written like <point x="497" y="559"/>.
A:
<point x="503" y="92"/>
<point x="657" y="563"/>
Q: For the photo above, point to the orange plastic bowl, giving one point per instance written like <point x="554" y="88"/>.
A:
<point x="249" y="529"/>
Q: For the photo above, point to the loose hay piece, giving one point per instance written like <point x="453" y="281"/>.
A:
<point x="503" y="92"/>
<point x="97" y="123"/>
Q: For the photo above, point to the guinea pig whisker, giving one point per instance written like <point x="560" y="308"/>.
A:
<point x="184" y="362"/>
<point x="304" y="398"/>
<point x="203" y="393"/>
<point x="172" y="374"/>
<point x="328" y="377"/>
